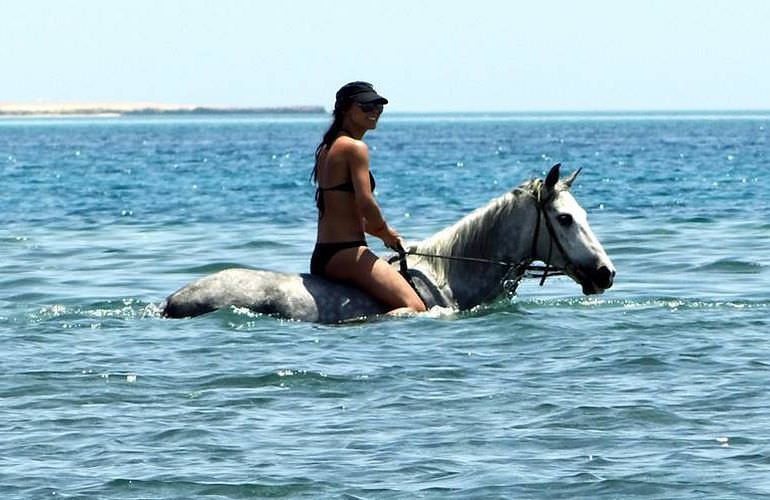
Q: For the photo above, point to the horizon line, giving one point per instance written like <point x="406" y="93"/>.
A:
<point x="33" y="109"/>
<point x="129" y="105"/>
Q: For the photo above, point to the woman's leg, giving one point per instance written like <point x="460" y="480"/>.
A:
<point x="361" y="267"/>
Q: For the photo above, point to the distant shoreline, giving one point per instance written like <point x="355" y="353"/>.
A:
<point x="31" y="110"/>
<point x="142" y="109"/>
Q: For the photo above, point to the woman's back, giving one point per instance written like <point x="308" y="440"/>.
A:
<point x="339" y="217"/>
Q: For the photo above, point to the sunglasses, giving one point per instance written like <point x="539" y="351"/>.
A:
<point x="368" y="107"/>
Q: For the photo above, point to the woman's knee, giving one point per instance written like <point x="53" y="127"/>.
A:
<point x="416" y="304"/>
<point x="408" y="296"/>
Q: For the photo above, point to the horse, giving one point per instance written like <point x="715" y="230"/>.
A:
<point x="471" y="262"/>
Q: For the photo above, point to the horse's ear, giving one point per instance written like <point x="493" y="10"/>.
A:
<point x="553" y="176"/>
<point x="571" y="178"/>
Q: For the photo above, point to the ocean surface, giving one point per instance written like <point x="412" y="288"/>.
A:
<point x="658" y="388"/>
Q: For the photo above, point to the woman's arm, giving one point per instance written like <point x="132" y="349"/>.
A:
<point x="374" y="222"/>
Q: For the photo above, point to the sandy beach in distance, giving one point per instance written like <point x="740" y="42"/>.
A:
<point x="122" y="108"/>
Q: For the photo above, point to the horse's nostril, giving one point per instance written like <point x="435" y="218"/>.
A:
<point x="604" y="276"/>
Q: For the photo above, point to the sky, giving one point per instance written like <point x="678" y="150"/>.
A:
<point x="423" y="55"/>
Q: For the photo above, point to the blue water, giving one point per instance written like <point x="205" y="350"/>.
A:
<point x="656" y="389"/>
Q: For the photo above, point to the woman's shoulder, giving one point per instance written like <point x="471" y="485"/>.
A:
<point x="349" y="146"/>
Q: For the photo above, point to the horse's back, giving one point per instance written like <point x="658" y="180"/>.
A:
<point x="230" y="287"/>
<point x="288" y="295"/>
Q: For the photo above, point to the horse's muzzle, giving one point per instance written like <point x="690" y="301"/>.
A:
<point x="596" y="280"/>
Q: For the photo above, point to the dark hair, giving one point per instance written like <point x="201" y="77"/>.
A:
<point x="328" y="138"/>
<point x="334" y="129"/>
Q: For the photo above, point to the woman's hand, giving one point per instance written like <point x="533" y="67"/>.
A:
<point x="391" y="238"/>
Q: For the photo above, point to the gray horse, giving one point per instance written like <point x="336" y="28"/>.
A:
<point x="462" y="266"/>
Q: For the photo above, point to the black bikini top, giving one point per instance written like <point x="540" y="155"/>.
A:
<point x="346" y="187"/>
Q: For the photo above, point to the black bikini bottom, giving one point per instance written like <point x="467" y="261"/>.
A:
<point x="323" y="253"/>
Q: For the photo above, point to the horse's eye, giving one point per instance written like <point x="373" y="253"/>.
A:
<point x="564" y="219"/>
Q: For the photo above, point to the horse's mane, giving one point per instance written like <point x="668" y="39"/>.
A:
<point x="465" y="236"/>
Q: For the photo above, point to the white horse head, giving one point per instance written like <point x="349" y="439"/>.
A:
<point x="568" y="242"/>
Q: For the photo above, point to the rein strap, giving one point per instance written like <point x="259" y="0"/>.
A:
<point x="521" y="268"/>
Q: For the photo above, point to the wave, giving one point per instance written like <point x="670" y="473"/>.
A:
<point x="698" y="219"/>
<point x="731" y="266"/>
<point x="126" y="308"/>
<point x="95" y="314"/>
<point x="642" y="303"/>
<point x="161" y="488"/>
<point x="261" y="244"/>
<point x="131" y="308"/>
<point x="272" y="378"/>
<point x="207" y="268"/>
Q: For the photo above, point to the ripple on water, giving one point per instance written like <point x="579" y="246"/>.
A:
<point x="161" y="488"/>
<point x="731" y="266"/>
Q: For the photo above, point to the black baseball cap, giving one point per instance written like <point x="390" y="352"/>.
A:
<point x="360" y="92"/>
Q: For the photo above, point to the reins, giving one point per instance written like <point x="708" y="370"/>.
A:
<point x="521" y="268"/>
<point x="476" y="260"/>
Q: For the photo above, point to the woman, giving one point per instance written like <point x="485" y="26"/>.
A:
<point x="347" y="208"/>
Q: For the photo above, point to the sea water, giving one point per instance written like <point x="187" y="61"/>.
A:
<point x="656" y="389"/>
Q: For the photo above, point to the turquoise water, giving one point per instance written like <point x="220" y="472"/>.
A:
<point x="656" y="389"/>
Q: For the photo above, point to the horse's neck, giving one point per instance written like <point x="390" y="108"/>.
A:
<point x="500" y="231"/>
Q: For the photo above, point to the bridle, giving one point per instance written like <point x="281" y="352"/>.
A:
<point x="515" y="272"/>
<point x="553" y="240"/>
